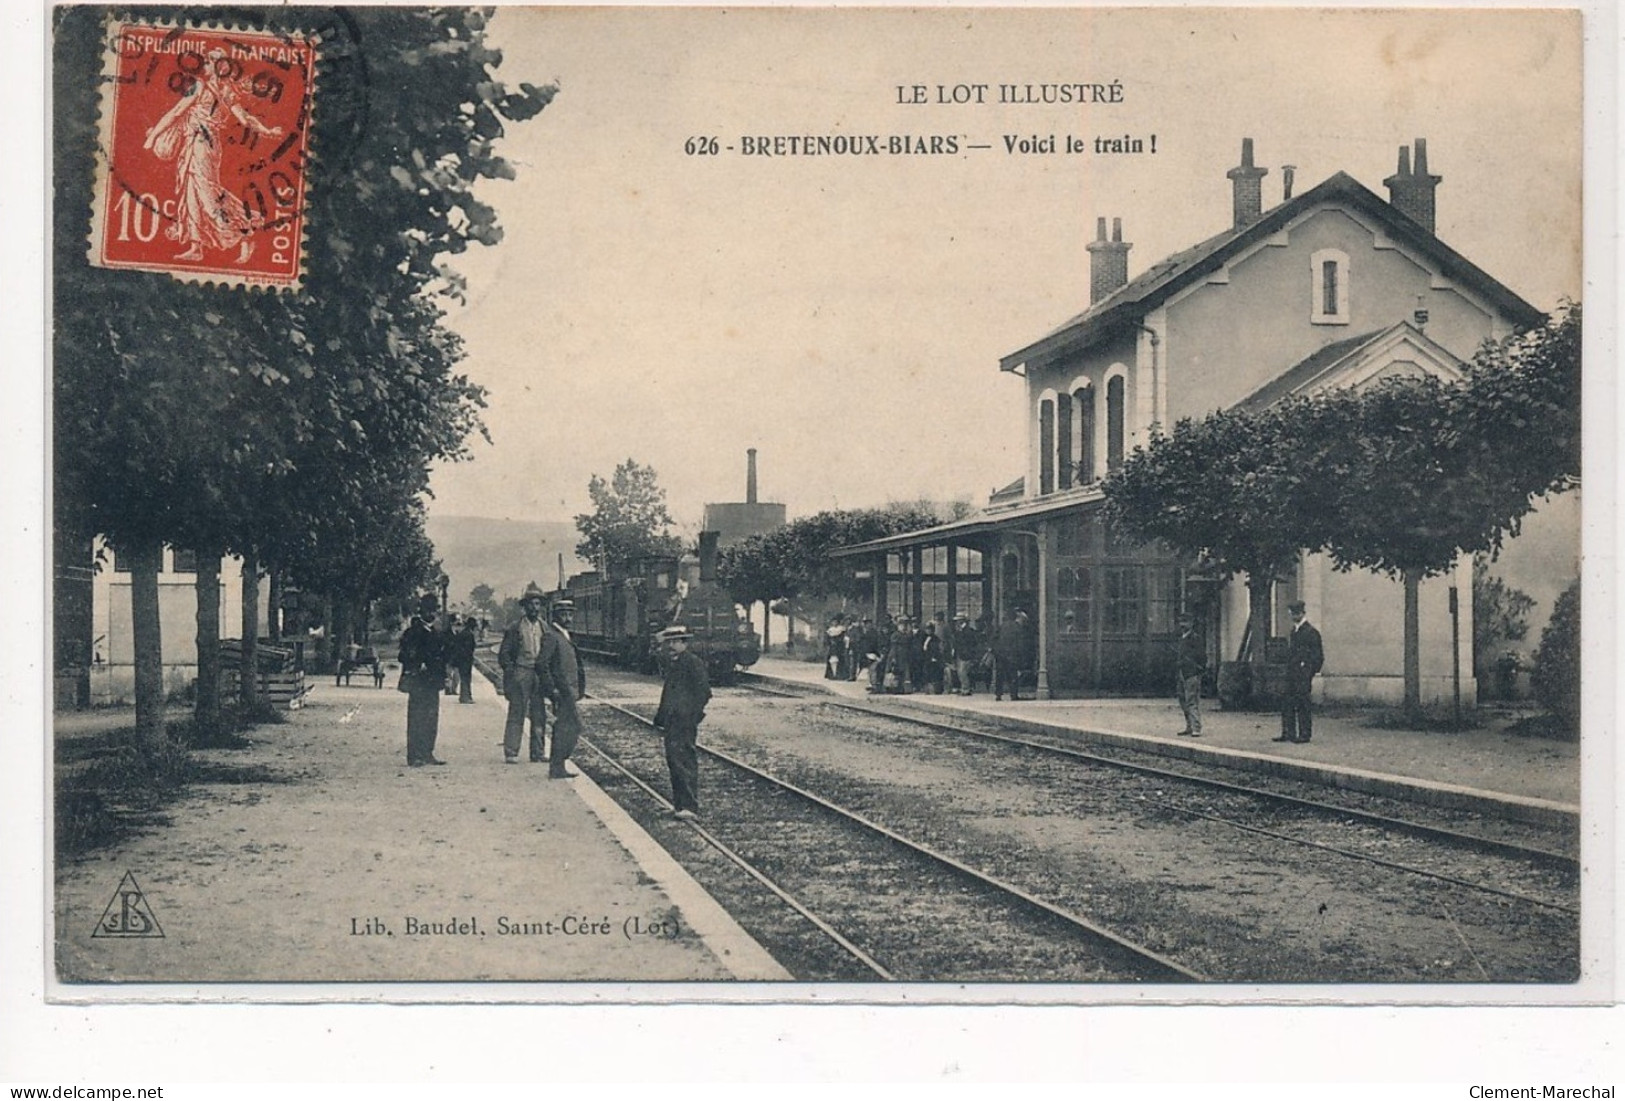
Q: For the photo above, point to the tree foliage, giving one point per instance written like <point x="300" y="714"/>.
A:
<point x="628" y="521"/>
<point x="482" y="598"/>
<point x="1557" y="660"/>
<point x="1400" y="477"/>
<point x="1500" y="617"/>
<point x="1239" y="486"/>
<point x="292" y="427"/>
<point x="794" y="563"/>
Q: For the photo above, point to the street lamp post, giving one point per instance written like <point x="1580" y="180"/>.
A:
<point x="445" y="584"/>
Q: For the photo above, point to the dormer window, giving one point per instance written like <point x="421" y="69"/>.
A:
<point x="1329" y="280"/>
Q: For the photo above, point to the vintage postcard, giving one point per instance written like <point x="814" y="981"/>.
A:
<point x="979" y="505"/>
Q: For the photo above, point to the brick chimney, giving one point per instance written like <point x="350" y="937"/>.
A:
<point x="1108" y="260"/>
<point x="1247" y="186"/>
<point x="750" y="476"/>
<point x="1411" y="193"/>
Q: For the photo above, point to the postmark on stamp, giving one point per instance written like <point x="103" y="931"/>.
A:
<point x="202" y="161"/>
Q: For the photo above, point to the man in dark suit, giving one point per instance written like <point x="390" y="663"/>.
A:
<point x="423" y="673"/>
<point x="533" y="671"/>
<point x="968" y="648"/>
<point x="1008" y="651"/>
<point x="564" y="614"/>
<point x="460" y="652"/>
<point x="682" y="705"/>
<point x="1304" y="657"/>
<point x="570" y="671"/>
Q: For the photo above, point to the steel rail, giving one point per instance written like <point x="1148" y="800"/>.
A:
<point x="1484" y="844"/>
<point x="1098" y="932"/>
<point x="744" y="865"/>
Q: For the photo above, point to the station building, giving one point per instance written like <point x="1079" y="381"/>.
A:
<point x="1332" y="287"/>
<point x="94" y="637"/>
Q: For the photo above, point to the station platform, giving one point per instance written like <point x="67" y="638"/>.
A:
<point x="326" y="859"/>
<point x="1486" y="768"/>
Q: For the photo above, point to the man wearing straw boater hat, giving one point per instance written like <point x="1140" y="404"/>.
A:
<point x="563" y="618"/>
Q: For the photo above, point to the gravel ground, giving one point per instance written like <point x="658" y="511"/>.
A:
<point x="279" y="877"/>
<point x="1234" y="905"/>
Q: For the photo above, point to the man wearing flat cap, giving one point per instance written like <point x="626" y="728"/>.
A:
<point x="533" y="671"/>
<point x="682" y="705"/>
<point x="1304" y="657"/>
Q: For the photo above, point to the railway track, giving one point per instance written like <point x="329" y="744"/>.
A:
<point x="890" y="907"/>
<point x="1495" y="911"/>
<point x="1563" y="864"/>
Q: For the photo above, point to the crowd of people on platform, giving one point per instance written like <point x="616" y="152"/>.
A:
<point x="905" y="653"/>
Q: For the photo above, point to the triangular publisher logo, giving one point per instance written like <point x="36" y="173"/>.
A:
<point x="127" y="913"/>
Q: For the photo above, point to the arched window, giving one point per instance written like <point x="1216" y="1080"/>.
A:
<point x="1046" y="446"/>
<point x="1114" y="422"/>
<point x="1083" y="397"/>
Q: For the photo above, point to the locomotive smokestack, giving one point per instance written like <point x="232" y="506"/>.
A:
<point x="708" y="553"/>
<point x="750" y="476"/>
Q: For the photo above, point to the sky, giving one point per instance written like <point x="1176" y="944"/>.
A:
<point x="845" y="314"/>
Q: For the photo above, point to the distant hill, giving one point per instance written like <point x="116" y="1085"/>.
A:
<point x="504" y="554"/>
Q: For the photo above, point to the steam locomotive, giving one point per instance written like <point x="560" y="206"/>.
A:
<point x="617" y="618"/>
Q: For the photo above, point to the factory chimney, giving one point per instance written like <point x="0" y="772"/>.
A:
<point x="750" y="476"/>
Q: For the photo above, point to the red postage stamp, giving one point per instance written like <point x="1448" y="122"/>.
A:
<point x="203" y="155"/>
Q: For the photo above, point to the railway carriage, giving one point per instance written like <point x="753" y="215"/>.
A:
<point x="618" y="617"/>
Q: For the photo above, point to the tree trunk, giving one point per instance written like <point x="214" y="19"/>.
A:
<point x="327" y="649"/>
<point x="146" y="558"/>
<point x="767" y="625"/>
<point x="343" y="627"/>
<point x="273" y="613"/>
<point x="790" y="627"/>
<point x="248" y="676"/>
<point x="1413" y="643"/>
<point x="1258" y="620"/>
<point x="206" y="708"/>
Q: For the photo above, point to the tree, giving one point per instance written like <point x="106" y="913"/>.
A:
<point x="750" y="572"/>
<point x="1557" y="660"/>
<point x="795" y="562"/>
<point x="1432" y="470"/>
<point x="1238" y="488"/>
<point x="629" y="520"/>
<point x="1401" y="477"/>
<point x="1406" y="505"/>
<point x="1520" y="410"/>
<point x="1499" y="617"/>
<point x="224" y="420"/>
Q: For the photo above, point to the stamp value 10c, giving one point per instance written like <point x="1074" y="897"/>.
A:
<point x="203" y="154"/>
